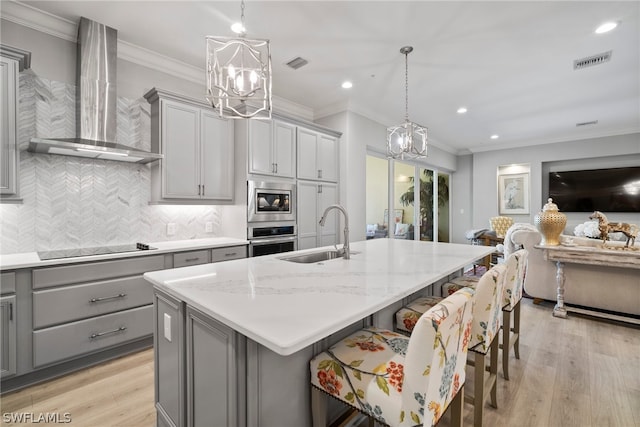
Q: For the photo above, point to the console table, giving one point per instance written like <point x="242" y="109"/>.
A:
<point x="608" y="257"/>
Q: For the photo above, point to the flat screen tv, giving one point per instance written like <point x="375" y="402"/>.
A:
<point x="605" y="190"/>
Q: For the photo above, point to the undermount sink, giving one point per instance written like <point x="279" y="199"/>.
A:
<point x="312" y="257"/>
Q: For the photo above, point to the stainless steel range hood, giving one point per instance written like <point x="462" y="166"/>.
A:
<point x="95" y="102"/>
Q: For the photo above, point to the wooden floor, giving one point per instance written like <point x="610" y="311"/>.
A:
<point x="115" y="393"/>
<point x="575" y="372"/>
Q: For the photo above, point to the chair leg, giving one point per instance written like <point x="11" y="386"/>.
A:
<point x="493" y="371"/>
<point x="318" y="408"/>
<point x="456" y="406"/>
<point x="478" y="388"/>
<point x="506" y="334"/>
<point x="516" y="329"/>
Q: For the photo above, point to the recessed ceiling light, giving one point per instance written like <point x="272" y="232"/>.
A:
<point x="494" y="136"/>
<point x="238" y="28"/>
<point x="347" y="85"/>
<point x="606" y="27"/>
<point x="461" y="110"/>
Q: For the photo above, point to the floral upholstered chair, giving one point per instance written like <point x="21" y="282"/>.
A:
<point x="486" y="322"/>
<point x="514" y="285"/>
<point x="515" y="274"/>
<point x="400" y="381"/>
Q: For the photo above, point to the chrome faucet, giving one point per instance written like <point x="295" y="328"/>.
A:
<point x="345" y="247"/>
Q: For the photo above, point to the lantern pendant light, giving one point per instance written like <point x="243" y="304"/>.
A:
<point x="408" y="140"/>
<point x="239" y="75"/>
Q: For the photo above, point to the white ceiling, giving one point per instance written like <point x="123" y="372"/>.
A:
<point x="509" y="63"/>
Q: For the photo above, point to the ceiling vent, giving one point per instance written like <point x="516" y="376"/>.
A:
<point x="298" y="62"/>
<point x="592" y="122"/>
<point x="598" y="59"/>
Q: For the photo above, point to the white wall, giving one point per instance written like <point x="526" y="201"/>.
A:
<point x="588" y="154"/>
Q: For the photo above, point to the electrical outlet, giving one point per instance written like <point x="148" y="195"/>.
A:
<point x="171" y="228"/>
<point x="167" y="327"/>
<point x="208" y="227"/>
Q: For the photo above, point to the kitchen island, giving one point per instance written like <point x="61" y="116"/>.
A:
<point x="234" y="339"/>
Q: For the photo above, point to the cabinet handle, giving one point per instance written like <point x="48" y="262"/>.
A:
<point x="320" y="188"/>
<point x="276" y="168"/>
<point x="101" y="334"/>
<point x="231" y="254"/>
<point x="10" y="311"/>
<point x="319" y="173"/>
<point x="94" y="300"/>
<point x="198" y="189"/>
<point x="191" y="259"/>
<point x="203" y="189"/>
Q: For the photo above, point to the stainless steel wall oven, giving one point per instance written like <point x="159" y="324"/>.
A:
<point x="271" y="239"/>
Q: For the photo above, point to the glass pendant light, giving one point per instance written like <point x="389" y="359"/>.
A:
<point x="408" y="140"/>
<point x="239" y="75"/>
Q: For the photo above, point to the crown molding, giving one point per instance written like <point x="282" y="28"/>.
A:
<point x="157" y="61"/>
<point x="56" y="26"/>
<point x="36" y="19"/>
<point x="529" y="143"/>
<point x="290" y="108"/>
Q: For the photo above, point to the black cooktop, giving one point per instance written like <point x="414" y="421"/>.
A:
<point x="99" y="250"/>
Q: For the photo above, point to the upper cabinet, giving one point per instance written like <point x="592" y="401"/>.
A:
<point x="8" y="127"/>
<point x="272" y="148"/>
<point x="198" y="163"/>
<point x="317" y="156"/>
<point x="12" y="61"/>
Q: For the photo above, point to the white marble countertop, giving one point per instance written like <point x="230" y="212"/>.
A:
<point x="287" y="306"/>
<point x="31" y="259"/>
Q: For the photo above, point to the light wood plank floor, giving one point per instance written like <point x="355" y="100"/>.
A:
<point x="576" y="372"/>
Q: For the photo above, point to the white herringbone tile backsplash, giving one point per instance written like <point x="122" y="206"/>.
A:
<point x="71" y="202"/>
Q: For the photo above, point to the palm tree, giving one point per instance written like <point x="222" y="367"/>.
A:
<point x="426" y="197"/>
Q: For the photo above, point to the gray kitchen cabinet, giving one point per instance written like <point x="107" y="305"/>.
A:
<point x="313" y="199"/>
<point x="184" y="259"/>
<point x="83" y="308"/>
<point x="8" y="127"/>
<point x="317" y="156"/>
<point x="80" y="301"/>
<point x="72" y="339"/>
<point x="169" y="360"/>
<point x="272" y="148"/>
<point x="203" y="256"/>
<point x="214" y="353"/>
<point x="198" y="163"/>
<point x="8" y="351"/>
<point x="228" y="253"/>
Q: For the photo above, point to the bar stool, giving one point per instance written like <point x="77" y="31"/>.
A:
<point x="396" y="380"/>
<point x="484" y="335"/>
<point x="514" y="282"/>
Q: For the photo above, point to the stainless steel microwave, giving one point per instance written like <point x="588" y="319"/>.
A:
<point x="271" y="201"/>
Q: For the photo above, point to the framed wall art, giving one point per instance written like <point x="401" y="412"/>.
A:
<point x="513" y="194"/>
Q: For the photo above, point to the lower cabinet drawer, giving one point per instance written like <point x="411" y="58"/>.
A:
<point x="60" y="305"/>
<point x="184" y="259"/>
<point x="73" y="339"/>
<point x="231" y="252"/>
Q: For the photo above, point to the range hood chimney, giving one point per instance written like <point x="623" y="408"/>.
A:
<point x="95" y="102"/>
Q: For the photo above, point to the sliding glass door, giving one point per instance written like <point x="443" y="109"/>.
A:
<point x="419" y="212"/>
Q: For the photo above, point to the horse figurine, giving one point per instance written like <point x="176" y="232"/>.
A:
<point x="606" y="227"/>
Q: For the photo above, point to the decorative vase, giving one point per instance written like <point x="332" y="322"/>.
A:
<point x="550" y="222"/>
